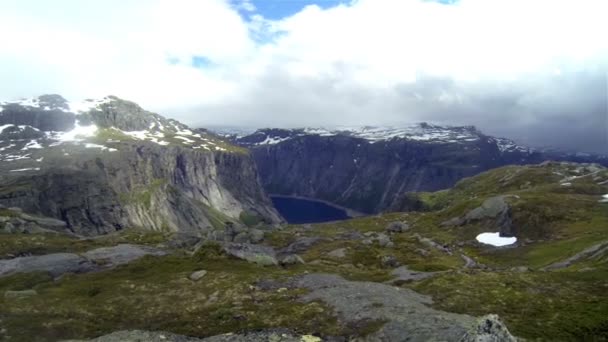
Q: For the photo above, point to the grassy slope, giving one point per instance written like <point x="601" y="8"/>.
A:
<point x="154" y="293"/>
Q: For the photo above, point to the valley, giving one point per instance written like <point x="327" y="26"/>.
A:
<point x="134" y="227"/>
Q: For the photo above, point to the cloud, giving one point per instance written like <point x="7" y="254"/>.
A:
<point x="531" y="70"/>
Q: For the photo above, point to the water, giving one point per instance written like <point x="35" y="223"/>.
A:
<point x="298" y="211"/>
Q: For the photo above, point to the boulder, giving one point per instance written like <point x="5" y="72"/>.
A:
<point x="261" y="255"/>
<point x="397" y="227"/>
<point x="337" y="253"/>
<point x="302" y="244"/>
<point x="55" y="264"/>
<point x="489" y="329"/>
<point x="389" y="261"/>
<point x="198" y="275"/>
<point x="121" y="254"/>
<point x="256" y="235"/>
<point x="291" y="259"/>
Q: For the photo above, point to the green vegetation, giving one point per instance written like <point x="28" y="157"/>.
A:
<point x="552" y="222"/>
<point x="553" y="306"/>
<point x="249" y="219"/>
<point x="156" y="294"/>
<point x="39" y="244"/>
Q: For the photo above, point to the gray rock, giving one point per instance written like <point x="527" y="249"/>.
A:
<point x="20" y="294"/>
<point x="468" y="261"/>
<point x="389" y="261"/>
<point x="337" y="253"/>
<point x="241" y="238"/>
<point x="489" y="329"/>
<point x="198" y="275"/>
<point x="261" y="255"/>
<point x="55" y="264"/>
<point x="594" y="252"/>
<point x="397" y="227"/>
<point x="432" y="244"/>
<point x="256" y="235"/>
<point x="44" y="221"/>
<point x="407" y="313"/>
<point x="520" y="269"/>
<point x="180" y="240"/>
<point x="121" y="254"/>
<point x="179" y="187"/>
<point x="494" y="208"/>
<point x="302" y="245"/>
<point x="291" y="259"/>
<point x="383" y="240"/>
<point x="270" y="335"/>
<point x="403" y="273"/>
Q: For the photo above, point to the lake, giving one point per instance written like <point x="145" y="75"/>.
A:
<point x="299" y="210"/>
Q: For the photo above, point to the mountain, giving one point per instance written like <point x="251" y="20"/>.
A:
<point x="106" y="165"/>
<point x="371" y="169"/>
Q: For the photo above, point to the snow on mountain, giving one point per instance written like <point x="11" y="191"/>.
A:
<point x="49" y="121"/>
<point x="416" y="132"/>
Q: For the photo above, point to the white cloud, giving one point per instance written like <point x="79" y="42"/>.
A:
<point x="370" y="61"/>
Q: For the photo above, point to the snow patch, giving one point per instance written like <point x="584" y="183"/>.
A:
<point x="495" y="239"/>
<point x="31" y="144"/>
<point x="79" y="133"/>
<point x="27" y="169"/>
<point x="604" y="199"/>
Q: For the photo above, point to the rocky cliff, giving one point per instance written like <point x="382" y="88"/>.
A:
<point x="106" y="165"/>
<point x="372" y="169"/>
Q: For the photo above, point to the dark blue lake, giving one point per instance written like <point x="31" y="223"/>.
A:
<point x="298" y="211"/>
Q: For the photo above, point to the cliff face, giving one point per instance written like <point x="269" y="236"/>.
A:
<point x="372" y="171"/>
<point x="114" y="166"/>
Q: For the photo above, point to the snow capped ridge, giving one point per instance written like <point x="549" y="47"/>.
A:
<point x="57" y="102"/>
<point x="423" y="132"/>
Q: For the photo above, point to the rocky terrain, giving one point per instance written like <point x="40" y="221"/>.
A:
<point x="415" y="276"/>
<point x="372" y="169"/>
<point x="106" y="165"/>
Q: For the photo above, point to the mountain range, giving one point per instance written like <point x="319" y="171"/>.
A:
<point x="372" y="169"/>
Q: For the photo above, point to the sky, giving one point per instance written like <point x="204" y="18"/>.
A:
<point x="531" y="70"/>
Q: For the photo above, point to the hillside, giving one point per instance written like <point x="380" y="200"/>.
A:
<point x="369" y="169"/>
<point x="418" y="274"/>
<point x="107" y="165"/>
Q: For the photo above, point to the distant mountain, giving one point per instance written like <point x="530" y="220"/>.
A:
<point x="371" y="169"/>
<point x="107" y="164"/>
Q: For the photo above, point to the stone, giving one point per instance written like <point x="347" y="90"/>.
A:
<point x="241" y="238"/>
<point x="291" y="259"/>
<point x="397" y="227"/>
<point x="256" y="235"/>
<point x="406" y="313"/>
<point x="389" y="261"/>
<point x="520" y="269"/>
<point x="337" y="253"/>
<point x="488" y="329"/>
<point x="302" y="244"/>
<point x="403" y="273"/>
<point x="121" y="254"/>
<point x="55" y="264"/>
<point x="20" y="294"/>
<point x="198" y="275"/>
<point x="268" y="335"/>
<point x="258" y="254"/>
<point x="384" y="240"/>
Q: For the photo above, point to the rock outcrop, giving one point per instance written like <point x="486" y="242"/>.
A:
<point x="114" y="165"/>
<point x="276" y="335"/>
<point x="57" y="264"/>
